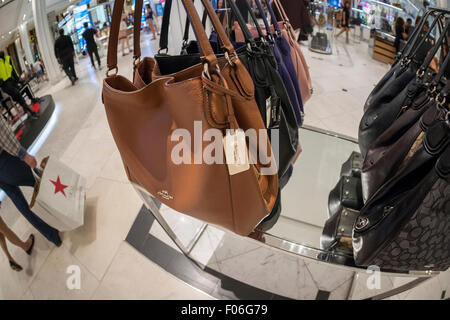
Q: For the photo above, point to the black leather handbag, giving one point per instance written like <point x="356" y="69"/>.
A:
<point x="388" y="152"/>
<point x="406" y="224"/>
<point x="347" y="193"/>
<point x="337" y="232"/>
<point x="352" y="167"/>
<point x="385" y="105"/>
<point x="270" y="94"/>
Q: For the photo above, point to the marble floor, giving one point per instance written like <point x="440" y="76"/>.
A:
<point x="111" y="268"/>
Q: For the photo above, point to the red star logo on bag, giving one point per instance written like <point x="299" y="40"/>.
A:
<point x="59" y="187"/>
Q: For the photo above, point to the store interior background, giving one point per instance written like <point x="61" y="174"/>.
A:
<point x="80" y="137"/>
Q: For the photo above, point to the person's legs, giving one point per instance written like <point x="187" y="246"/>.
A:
<point x="11" y="88"/>
<point x="91" y="55"/>
<point x="5" y="247"/>
<point x="128" y="44"/>
<point x="341" y="32"/>
<point x="15" y="173"/>
<point x="12" y="237"/>
<point x="153" y="28"/>
<point x="21" y="204"/>
<point x="122" y="43"/>
<point x="95" y="50"/>
<point x="71" y="64"/>
<point x="347" y="30"/>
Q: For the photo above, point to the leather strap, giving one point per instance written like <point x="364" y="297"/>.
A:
<point x="208" y="54"/>
<point x="416" y="49"/>
<point x="435" y="48"/>
<point x="441" y="72"/>
<point x="164" y="36"/>
<point x="227" y="45"/>
<point x="415" y="35"/>
<point x="139" y="6"/>
<point x="255" y="20"/>
<point x="273" y="17"/>
<point x="263" y="15"/>
<point x="114" y="35"/>
<point x="281" y="11"/>
<point x="240" y="19"/>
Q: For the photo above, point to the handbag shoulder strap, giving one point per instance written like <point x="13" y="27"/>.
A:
<point x="240" y="19"/>
<point x="139" y="6"/>
<point x="423" y="39"/>
<point x="164" y="36"/>
<point x="255" y="20"/>
<point x="208" y="58"/>
<point x="227" y="45"/>
<point x="415" y="35"/>
<point x="433" y="52"/>
<point x="263" y="16"/>
<point x="273" y="17"/>
<point x="114" y="35"/>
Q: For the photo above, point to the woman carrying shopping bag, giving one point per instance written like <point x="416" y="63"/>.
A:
<point x="16" y="171"/>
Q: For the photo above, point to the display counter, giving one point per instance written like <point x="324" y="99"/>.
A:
<point x="304" y="212"/>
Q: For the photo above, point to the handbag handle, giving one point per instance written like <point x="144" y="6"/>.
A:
<point x="431" y="55"/>
<point x="441" y="72"/>
<point x="273" y="17"/>
<point x="139" y="6"/>
<point x="264" y="18"/>
<point x="415" y="35"/>
<point x="255" y="20"/>
<point x="227" y="46"/>
<point x="208" y="58"/>
<point x="240" y="19"/>
<point x="421" y="42"/>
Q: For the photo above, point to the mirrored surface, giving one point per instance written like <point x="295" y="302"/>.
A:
<point x="304" y="200"/>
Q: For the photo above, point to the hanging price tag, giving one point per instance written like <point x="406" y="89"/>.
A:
<point x="235" y="149"/>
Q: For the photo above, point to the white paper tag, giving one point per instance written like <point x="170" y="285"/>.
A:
<point x="268" y="111"/>
<point x="235" y="149"/>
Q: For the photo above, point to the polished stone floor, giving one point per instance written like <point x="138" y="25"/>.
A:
<point x="113" y="269"/>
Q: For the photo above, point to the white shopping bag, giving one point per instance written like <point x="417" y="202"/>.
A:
<point x="59" y="196"/>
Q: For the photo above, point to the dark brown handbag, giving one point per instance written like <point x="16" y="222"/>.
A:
<point x="219" y="94"/>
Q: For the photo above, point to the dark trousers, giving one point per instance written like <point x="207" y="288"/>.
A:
<point x="69" y="67"/>
<point x="94" y="51"/>
<point x="11" y="88"/>
<point x="15" y="173"/>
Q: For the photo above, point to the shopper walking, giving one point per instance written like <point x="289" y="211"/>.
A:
<point x="345" y="22"/>
<point x="91" y="45"/>
<point x="15" y="171"/>
<point x="150" y="19"/>
<point x="9" y="83"/>
<point x="27" y="246"/>
<point x="65" y="53"/>
<point x="123" y="34"/>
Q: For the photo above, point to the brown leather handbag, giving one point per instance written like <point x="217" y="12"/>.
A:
<point x="219" y="94"/>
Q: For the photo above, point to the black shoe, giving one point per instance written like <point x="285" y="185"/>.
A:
<point x="58" y="242"/>
<point x="30" y="250"/>
<point x="73" y="81"/>
<point x="15" y="266"/>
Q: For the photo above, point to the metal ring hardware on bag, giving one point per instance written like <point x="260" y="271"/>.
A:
<point x="440" y="102"/>
<point x="112" y="75"/>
